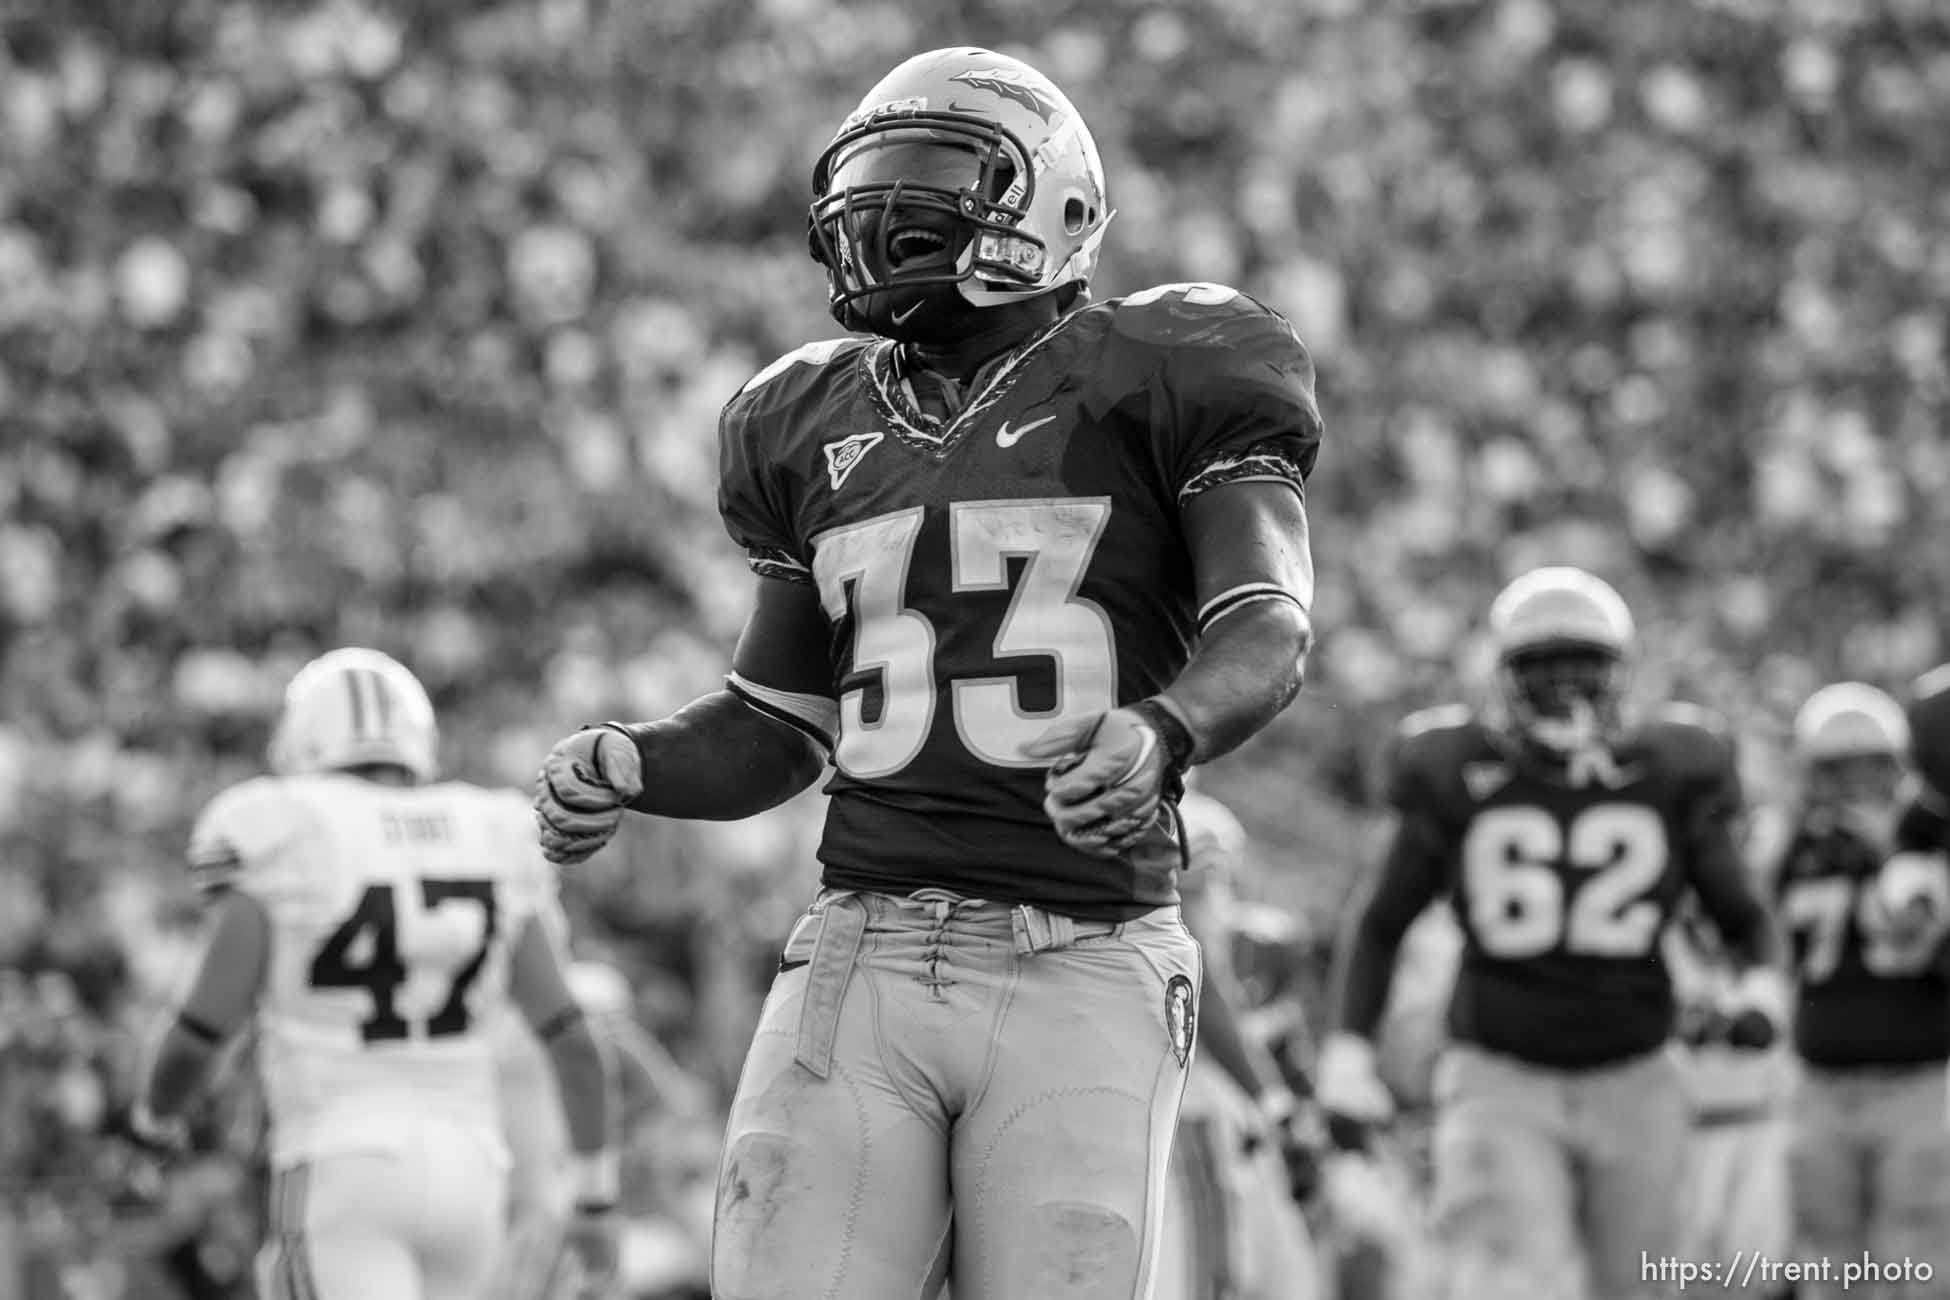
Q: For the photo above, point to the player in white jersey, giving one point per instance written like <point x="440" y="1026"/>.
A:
<point x="367" y="922"/>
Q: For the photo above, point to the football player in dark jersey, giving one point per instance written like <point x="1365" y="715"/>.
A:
<point x="1022" y="558"/>
<point x="1870" y="1147"/>
<point x="1925" y="820"/>
<point x="1564" y="832"/>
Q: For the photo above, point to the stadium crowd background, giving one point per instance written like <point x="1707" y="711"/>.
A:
<point x="407" y="325"/>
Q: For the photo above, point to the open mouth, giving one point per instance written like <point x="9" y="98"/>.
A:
<point x="913" y="244"/>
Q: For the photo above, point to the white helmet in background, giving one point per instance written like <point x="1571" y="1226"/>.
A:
<point x="1850" y="720"/>
<point x="354" y="707"/>
<point x="1853" y="742"/>
<point x="1564" y="642"/>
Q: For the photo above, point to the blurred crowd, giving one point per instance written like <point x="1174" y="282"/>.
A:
<point x="341" y="321"/>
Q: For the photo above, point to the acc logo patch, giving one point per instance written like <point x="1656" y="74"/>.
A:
<point x="1181" y="1017"/>
<point x="843" y="455"/>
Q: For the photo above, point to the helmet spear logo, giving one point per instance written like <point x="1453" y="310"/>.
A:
<point x="1011" y="85"/>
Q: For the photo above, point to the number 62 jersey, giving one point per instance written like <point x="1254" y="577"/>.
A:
<point x="1563" y="892"/>
<point x="1022" y="563"/>
<point x="393" y="911"/>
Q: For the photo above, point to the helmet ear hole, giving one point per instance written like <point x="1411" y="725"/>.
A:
<point x="1077" y="216"/>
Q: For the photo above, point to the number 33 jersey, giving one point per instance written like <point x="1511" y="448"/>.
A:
<point x="1018" y="565"/>
<point x="393" y="911"/>
<point x="1563" y="893"/>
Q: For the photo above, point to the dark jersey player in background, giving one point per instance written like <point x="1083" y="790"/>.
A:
<point x="1564" y="837"/>
<point x="1022" y="559"/>
<point x="1925" y="820"/>
<point x="1870" y="1145"/>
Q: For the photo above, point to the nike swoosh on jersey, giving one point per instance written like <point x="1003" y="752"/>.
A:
<point x="902" y="317"/>
<point x="1007" y="437"/>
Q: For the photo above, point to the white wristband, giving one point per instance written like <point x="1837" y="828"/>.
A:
<point x="597" y="1176"/>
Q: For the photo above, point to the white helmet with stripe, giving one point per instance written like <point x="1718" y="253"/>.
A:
<point x="1850" y="720"/>
<point x="352" y="708"/>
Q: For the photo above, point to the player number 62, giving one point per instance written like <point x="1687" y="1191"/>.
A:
<point x="1517" y="900"/>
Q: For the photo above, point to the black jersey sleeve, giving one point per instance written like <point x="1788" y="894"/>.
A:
<point x="1233" y="399"/>
<point x="1923" y="825"/>
<point x="756" y="433"/>
<point x="1928" y="710"/>
<point x="1411" y="877"/>
<point x="1711" y="820"/>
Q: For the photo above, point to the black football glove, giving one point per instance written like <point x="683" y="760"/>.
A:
<point x="1756" y="1011"/>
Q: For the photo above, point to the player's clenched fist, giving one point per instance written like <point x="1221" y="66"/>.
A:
<point x="586" y="783"/>
<point x="1109" y="774"/>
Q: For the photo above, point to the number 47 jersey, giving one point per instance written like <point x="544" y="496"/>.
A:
<point x="393" y="911"/>
<point x="1563" y="892"/>
<point x="988" y="576"/>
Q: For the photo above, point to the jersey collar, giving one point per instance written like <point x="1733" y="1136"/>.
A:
<point x="893" y="391"/>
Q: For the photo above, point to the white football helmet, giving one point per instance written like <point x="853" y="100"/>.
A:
<point x="354" y="707"/>
<point x="1852" y="741"/>
<point x="1850" y="720"/>
<point x="1564" y="643"/>
<point x="965" y="178"/>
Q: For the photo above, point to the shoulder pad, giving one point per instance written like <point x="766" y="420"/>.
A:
<point x="1690" y="726"/>
<point x="1189" y="315"/>
<point x="501" y="803"/>
<point x="1931" y="684"/>
<point x="1442" y="717"/>
<point x="1428" y="752"/>
<point x="1687" y="716"/>
<point x="1691" y="738"/>
<point x="531" y="881"/>
<point x="1929" y="728"/>
<point x="812" y="356"/>
<point x="244" y="835"/>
